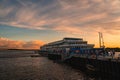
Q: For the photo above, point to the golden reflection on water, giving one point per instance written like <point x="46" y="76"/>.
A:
<point x="18" y="65"/>
<point x="34" y="68"/>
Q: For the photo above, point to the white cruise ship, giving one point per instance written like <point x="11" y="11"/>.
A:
<point x="67" y="43"/>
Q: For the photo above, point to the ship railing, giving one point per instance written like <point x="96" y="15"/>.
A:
<point x="100" y="57"/>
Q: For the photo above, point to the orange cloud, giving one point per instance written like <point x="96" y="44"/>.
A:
<point x="13" y="44"/>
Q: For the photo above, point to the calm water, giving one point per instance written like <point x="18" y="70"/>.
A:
<point x="18" y="65"/>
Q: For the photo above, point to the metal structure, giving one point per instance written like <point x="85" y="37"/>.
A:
<point x="101" y="40"/>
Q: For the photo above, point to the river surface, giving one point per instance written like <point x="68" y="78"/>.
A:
<point x="18" y="65"/>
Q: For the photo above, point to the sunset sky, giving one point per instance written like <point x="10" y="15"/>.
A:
<point x="32" y="23"/>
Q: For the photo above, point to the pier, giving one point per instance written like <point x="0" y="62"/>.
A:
<point x="107" y="67"/>
<point x="78" y="53"/>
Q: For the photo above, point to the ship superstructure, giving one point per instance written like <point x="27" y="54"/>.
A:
<point x="67" y="43"/>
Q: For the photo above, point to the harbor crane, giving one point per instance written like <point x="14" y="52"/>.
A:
<point x="101" y="40"/>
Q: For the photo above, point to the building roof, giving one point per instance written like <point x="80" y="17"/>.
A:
<point x="68" y="38"/>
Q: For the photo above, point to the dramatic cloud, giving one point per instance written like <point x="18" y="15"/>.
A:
<point x="70" y="16"/>
<point x="12" y="44"/>
<point x="52" y="14"/>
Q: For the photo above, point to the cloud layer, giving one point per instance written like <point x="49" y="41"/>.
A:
<point x="59" y="14"/>
<point x="12" y="44"/>
<point x="70" y="16"/>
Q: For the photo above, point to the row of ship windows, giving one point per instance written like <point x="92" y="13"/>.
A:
<point x="73" y="47"/>
<point x="77" y="43"/>
<point x="68" y="43"/>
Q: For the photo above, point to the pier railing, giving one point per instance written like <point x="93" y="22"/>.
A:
<point x="100" y="56"/>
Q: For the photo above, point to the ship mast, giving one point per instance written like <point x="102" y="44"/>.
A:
<point x="101" y="40"/>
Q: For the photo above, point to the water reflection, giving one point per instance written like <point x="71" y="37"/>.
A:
<point x="41" y="68"/>
<point x="35" y="68"/>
